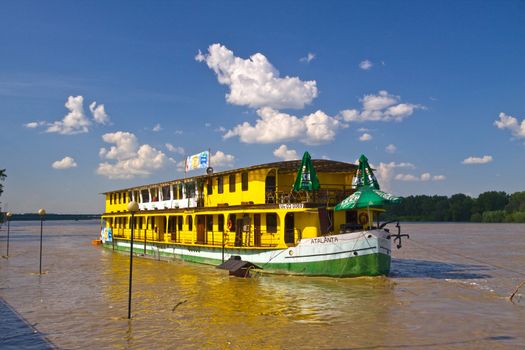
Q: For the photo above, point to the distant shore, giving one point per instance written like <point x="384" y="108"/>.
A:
<point x="52" y="217"/>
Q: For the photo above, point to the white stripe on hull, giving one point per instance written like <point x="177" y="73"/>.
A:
<point x="317" y="249"/>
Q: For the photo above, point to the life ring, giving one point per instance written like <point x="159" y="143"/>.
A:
<point x="230" y="225"/>
<point x="363" y="218"/>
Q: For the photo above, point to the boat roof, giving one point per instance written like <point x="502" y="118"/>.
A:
<point x="284" y="167"/>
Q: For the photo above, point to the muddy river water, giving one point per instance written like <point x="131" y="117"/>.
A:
<point x="448" y="289"/>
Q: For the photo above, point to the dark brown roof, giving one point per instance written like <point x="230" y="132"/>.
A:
<point x="290" y="166"/>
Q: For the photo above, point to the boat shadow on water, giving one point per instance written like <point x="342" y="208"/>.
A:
<point x="414" y="268"/>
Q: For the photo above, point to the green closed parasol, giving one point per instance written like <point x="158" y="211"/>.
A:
<point x="306" y="179"/>
<point x="364" y="176"/>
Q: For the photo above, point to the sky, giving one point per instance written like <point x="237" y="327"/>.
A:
<point x="103" y="95"/>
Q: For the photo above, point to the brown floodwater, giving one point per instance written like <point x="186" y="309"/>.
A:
<point x="448" y="289"/>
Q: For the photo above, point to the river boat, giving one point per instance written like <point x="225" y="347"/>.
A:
<point x="255" y="214"/>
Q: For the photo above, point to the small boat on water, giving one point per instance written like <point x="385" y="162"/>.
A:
<point x="309" y="217"/>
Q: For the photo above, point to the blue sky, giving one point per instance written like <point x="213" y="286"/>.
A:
<point x="432" y="92"/>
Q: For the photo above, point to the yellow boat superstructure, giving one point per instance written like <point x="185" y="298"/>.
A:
<point x="252" y="212"/>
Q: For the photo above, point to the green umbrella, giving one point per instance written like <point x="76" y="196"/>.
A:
<point x="306" y="177"/>
<point x="367" y="197"/>
<point x="364" y="176"/>
<point x="368" y="193"/>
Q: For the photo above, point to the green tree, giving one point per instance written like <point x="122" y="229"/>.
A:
<point x="2" y="177"/>
<point x="491" y="201"/>
<point x="461" y="207"/>
<point x="516" y="202"/>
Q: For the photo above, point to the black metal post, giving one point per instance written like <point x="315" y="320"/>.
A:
<point x="222" y="246"/>
<point x="131" y="264"/>
<point x="41" y="228"/>
<point x="8" y="220"/>
<point x="146" y="236"/>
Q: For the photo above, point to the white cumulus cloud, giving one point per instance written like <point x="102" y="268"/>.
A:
<point x="157" y="128"/>
<point x="99" y="113"/>
<point x="391" y="148"/>
<point x="75" y="122"/>
<point x="381" y="107"/>
<point x="222" y="160"/>
<point x="285" y="154"/>
<point x="33" y="125"/>
<point x="274" y="126"/>
<point x="64" y="163"/>
<point x="365" y="65"/>
<point x="308" y="58"/>
<point x="422" y="177"/>
<point x="385" y="172"/>
<point x="511" y="123"/>
<point x="174" y="149"/>
<point x="255" y="82"/>
<point x="129" y="158"/>
<point x="478" y="160"/>
<point x="365" y="137"/>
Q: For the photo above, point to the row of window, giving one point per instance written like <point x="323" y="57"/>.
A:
<point x="153" y="194"/>
<point x="231" y="181"/>
<point x="175" y="223"/>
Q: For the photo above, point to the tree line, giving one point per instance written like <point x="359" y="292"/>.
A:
<point x="491" y="206"/>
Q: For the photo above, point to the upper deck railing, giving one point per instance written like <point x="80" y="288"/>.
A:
<point x="323" y="196"/>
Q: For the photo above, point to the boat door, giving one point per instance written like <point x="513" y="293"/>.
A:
<point x="270" y="186"/>
<point x="238" y="232"/>
<point x="201" y="228"/>
<point x="161" y="227"/>
<point x="289" y="228"/>
<point x="257" y="229"/>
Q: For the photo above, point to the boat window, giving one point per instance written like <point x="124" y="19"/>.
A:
<point x="172" y="220"/>
<point x="166" y="193"/>
<point x="137" y="197"/>
<point x="244" y="179"/>
<point x="130" y="197"/>
<point x="152" y="222"/>
<point x="220" y="219"/>
<point x="190" y="189"/>
<point x="220" y="188"/>
<point x="118" y="196"/>
<point x="155" y="194"/>
<point x="179" y="222"/>
<point x="179" y="186"/>
<point x="111" y="198"/>
<point x="210" y="186"/>
<point x="232" y="183"/>
<point x="231" y="222"/>
<point x="145" y="196"/>
<point x="209" y="223"/>
<point x="271" y="222"/>
<point x="190" y="223"/>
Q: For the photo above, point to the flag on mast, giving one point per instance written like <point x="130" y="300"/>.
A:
<point x="198" y="161"/>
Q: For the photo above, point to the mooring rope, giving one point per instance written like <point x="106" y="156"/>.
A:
<point x="426" y="246"/>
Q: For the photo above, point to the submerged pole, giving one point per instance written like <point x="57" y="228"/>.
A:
<point x="42" y="214"/>
<point x="132" y="207"/>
